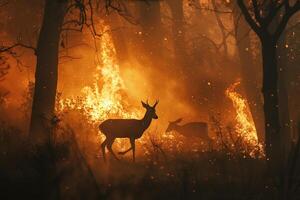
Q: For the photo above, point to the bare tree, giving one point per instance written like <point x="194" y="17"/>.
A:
<point x="59" y="16"/>
<point x="261" y="15"/>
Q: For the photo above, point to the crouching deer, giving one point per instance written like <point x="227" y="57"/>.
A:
<point x="192" y="129"/>
<point x="126" y="128"/>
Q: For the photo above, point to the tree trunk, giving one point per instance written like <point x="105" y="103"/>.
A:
<point x="283" y="94"/>
<point x="46" y="70"/>
<point x="152" y="35"/>
<point x="270" y="93"/>
<point x="178" y="30"/>
<point x="44" y="98"/>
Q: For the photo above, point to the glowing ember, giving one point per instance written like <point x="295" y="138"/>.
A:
<point x="244" y="122"/>
<point x="98" y="103"/>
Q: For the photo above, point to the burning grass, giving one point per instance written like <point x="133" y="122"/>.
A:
<point x="109" y="100"/>
<point x="244" y="128"/>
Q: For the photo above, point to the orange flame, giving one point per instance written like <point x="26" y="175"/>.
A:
<point x="98" y="103"/>
<point x="244" y="122"/>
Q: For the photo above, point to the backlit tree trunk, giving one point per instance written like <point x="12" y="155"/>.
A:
<point x="260" y="17"/>
<point x="283" y="94"/>
<point x="178" y="30"/>
<point x="46" y="70"/>
<point x="270" y="93"/>
<point x="44" y="96"/>
<point x="152" y="30"/>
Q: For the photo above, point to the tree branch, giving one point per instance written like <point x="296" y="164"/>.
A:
<point x="288" y="14"/>
<point x="9" y="48"/>
<point x="271" y="15"/>
<point x="221" y="26"/>
<point x="210" y="9"/>
<point x="249" y="19"/>
<point x="256" y="12"/>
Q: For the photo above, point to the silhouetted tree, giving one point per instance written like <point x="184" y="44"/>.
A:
<point x="283" y="93"/>
<point x="260" y="15"/>
<point x="59" y="16"/>
<point x="152" y="29"/>
<point x="46" y="69"/>
<point x="178" y="31"/>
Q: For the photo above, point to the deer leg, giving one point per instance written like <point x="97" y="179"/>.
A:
<point x="103" y="148"/>
<point x="132" y="142"/>
<point x="109" y="147"/>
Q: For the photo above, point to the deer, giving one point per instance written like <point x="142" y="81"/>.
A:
<point x="192" y="129"/>
<point x="126" y="128"/>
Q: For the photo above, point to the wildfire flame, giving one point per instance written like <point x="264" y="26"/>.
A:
<point x="108" y="101"/>
<point x="106" y="98"/>
<point x="244" y="122"/>
<point x="100" y="103"/>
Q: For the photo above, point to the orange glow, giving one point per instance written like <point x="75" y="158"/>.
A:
<point x="105" y="98"/>
<point x="244" y="122"/>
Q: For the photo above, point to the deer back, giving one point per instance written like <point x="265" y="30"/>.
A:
<point x="121" y="128"/>
<point x="194" y="129"/>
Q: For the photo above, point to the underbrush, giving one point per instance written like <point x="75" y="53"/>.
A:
<point x="210" y="175"/>
<point x="77" y="171"/>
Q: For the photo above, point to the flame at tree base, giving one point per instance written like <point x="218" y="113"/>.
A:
<point x="106" y="98"/>
<point x="244" y="122"/>
<point x="108" y="101"/>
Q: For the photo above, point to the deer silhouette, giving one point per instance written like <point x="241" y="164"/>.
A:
<point x="192" y="129"/>
<point x="126" y="128"/>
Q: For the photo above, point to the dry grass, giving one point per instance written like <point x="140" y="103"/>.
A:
<point x="163" y="172"/>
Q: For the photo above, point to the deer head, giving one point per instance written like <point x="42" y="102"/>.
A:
<point x="150" y="109"/>
<point x="173" y="124"/>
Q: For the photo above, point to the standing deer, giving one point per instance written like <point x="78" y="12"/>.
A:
<point x="126" y="128"/>
<point x="192" y="129"/>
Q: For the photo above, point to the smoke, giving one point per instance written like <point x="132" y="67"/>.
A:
<point x="191" y="90"/>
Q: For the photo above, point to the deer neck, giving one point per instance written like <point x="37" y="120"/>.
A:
<point x="146" y="121"/>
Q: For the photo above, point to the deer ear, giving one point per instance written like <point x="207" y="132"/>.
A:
<point x="178" y="120"/>
<point x="144" y="104"/>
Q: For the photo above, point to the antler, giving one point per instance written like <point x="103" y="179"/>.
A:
<point x="156" y="102"/>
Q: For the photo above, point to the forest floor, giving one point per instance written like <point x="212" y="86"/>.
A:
<point x="82" y="174"/>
